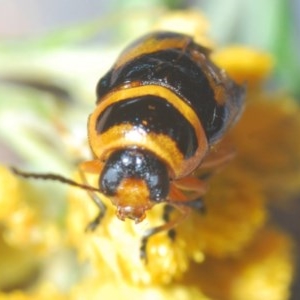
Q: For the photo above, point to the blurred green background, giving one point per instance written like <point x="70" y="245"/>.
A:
<point x="271" y="25"/>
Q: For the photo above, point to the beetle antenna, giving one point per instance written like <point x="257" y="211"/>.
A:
<point x="50" y="176"/>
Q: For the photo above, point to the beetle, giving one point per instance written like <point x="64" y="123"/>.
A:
<point x="160" y="109"/>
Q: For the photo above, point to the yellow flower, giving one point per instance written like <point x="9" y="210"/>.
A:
<point x="190" y="22"/>
<point x="93" y="289"/>
<point x="244" y="65"/>
<point x="262" y="270"/>
<point x="265" y="136"/>
<point x="24" y="236"/>
<point x="16" y="264"/>
<point x="9" y="193"/>
<point x="269" y="150"/>
<point x="43" y="292"/>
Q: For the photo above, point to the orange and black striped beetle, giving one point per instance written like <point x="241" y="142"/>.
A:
<point x="160" y="109"/>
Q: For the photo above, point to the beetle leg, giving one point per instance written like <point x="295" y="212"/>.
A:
<point x="166" y="217"/>
<point x="96" y="199"/>
<point x="219" y="155"/>
<point x="184" y="212"/>
<point x="191" y="184"/>
<point x="195" y="204"/>
<point x="188" y="192"/>
<point x="191" y="190"/>
<point x="91" y="166"/>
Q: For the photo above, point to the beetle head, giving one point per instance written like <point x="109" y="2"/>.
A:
<point x="134" y="180"/>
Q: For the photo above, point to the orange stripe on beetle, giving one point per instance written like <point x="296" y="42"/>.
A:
<point x="134" y="136"/>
